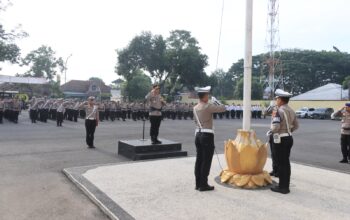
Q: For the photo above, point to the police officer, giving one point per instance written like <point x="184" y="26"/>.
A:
<point x="204" y="140"/>
<point x="91" y="120"/>
<point x="283" y="123"/>
<point x="61" y="109"/>
<point x="16" y="108"/>
<point x="345" y="131"/>
<point x="156" y="104"/>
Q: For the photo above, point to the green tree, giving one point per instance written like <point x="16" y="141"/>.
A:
<point x="186" y="61"/>
<point x="146" y="52"/>
<point x="175" y="63"/>
<point x="43" y="63"/>
<point x="137" y="87"/>
<point x="302" y="70"/>
<point x="93" y="78"/>
<point x="346" y="82"/>
<point x="9" y="51"/>
<point x="257" y="89"/>
<point x="222" y="83"/>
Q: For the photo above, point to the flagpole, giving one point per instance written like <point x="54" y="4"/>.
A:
<point x="248" y="66"/>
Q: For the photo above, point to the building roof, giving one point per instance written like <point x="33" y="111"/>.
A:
<point x="22" y="80"/>
<point x="329" y="92"/>
<point x="82" y="86"/>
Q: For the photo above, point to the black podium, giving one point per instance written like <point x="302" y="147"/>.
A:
<point x="145" y="150"/>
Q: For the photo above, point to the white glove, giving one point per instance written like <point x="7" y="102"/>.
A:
<point x="268" y="133"/>
<point x="215" y="101"/>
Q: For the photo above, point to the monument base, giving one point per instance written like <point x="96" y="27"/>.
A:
<point x="145" y="150"/>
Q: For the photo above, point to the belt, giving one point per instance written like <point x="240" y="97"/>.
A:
<point x="90" y="118"/>
<point x="285" y="135"/>
<point x="204" y="130"/>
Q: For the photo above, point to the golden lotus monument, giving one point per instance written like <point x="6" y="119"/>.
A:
<point x="245" y="158"/>
<point x="246" y="155"/>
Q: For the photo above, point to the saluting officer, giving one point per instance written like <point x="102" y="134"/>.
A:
<point x="283" y="123"/>
<point x="156" y="104"/>
<point x="204" y="140"/>
<point x="91" y="120"/>
<point x="345" y="131"/>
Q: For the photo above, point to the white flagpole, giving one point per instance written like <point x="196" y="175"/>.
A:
<point x="248" y="66"/>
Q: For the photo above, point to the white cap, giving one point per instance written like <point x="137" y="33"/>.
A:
<point x="203" y="89"/>
<point x="281" y="93"/>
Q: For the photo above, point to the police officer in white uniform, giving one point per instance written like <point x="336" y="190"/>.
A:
<point x="204" y="140"/>
<point x="283" y="123"/>
<point x="91" y="120"/>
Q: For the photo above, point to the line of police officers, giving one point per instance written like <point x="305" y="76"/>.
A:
<point x="10" y="109"/>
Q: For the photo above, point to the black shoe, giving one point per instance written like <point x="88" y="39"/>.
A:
<point x="275" y="174"/>
<point x="344" y="161"/>
<point x="206" y="188"/>
<point x="280" y="190"/>
<point x="158" y="141"/>
<point x="197" y="188"/>
<point x="91" y="146"/>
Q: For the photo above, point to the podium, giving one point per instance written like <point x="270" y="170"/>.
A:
<point x="145" y="150"/>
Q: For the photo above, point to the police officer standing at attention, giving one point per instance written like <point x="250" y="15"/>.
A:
<point x="156" y="104"/>
<point x="91" y="120"/>
<point x="345" y="131"/>
<point x="283" y="123"/>
<point x="204" y="140"/>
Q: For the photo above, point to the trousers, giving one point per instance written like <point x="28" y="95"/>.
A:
<point x="205" y="150"/>
<point x="273" y="156"/>
<point x="155" y="124"/>
<point x="345" y="146"/>
<point x="283" y="150"/>
<point x="90" y="127"/>
<point x="59" y="118"/>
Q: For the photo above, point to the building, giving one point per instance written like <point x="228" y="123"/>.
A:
<point x="329" y="92"/>
<point x="83" y="89"/>
<point x="23" y="86"/>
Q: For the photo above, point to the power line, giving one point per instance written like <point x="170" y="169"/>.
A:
<point x="219" y="44"/>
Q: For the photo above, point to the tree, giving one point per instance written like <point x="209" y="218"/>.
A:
<point x="257" y="89"/>
<point x="346" y="82"/>
<point x="43" y="63"/>
<point x="222" y="83"/>
<point x="186" y="62"/>
<point x="9" y="51"/>
<point x="302" y="70"/>
<point x="174" y="63"/>
<point x="137" y="87"/>
<point x="93" y="78"/>
<point x="146" y="52"/>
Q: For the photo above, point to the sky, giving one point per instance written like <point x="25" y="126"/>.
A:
<point x="92" y="30"/>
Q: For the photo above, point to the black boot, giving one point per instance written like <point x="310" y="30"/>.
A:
<point x="277" y="189"/>
<point x="154" y="140"/>
<point x="206" y="188"/>
<point x="344" y="161"/>
<point x="157" y="141"/>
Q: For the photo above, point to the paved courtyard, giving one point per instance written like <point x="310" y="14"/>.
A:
<point x="32" y="157"/>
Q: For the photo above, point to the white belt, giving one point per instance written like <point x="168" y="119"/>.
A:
<point x="204" y="130"/>
<point x="285" y="135"/>
<point x="90" y="119"/>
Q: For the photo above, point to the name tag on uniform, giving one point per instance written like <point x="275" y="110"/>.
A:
<point x="276" y="120"/>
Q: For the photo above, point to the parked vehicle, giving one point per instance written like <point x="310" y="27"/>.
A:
<point x="304" y="112"/>
<point x="322" y="113"/>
